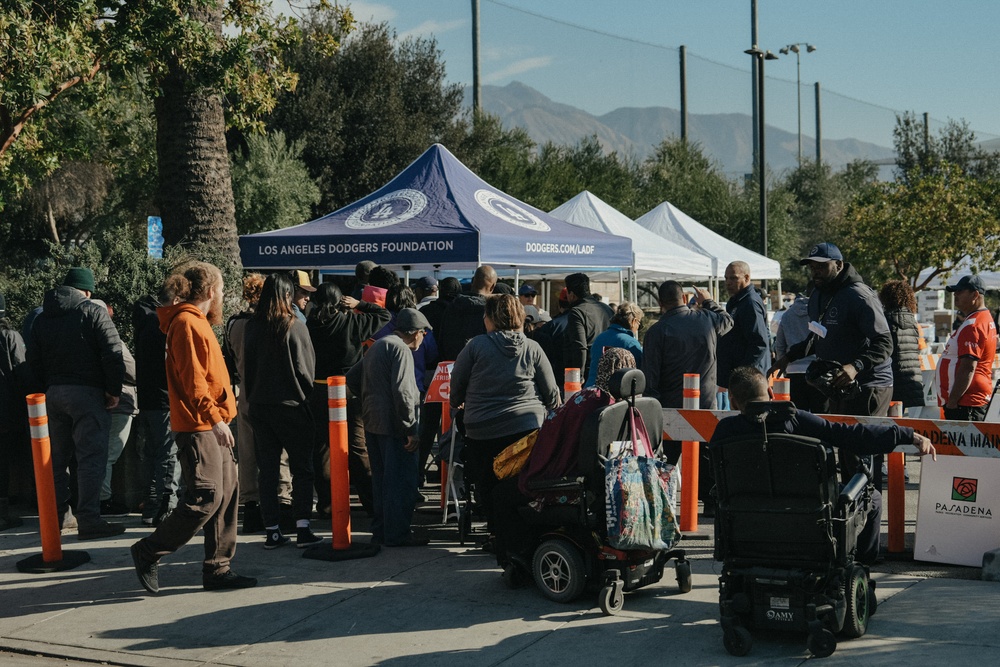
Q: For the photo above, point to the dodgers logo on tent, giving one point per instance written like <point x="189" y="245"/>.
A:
<point x="508" y="211"/>
<point x="389" y="209"/>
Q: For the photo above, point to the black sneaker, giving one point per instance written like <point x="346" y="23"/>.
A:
<point x="275" y="539"/>
<point x="113" y="508"/>
<point x="228" y="581"/>
<point x="99" y="530"/>
<point x="305" y="538"/>
<point x="148" y="573"/>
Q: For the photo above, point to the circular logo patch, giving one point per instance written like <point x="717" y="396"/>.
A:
<point x="389" y="209"/>
<point x="508" y="211"/>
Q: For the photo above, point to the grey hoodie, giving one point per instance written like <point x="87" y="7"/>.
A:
<point x="506" y="384"/>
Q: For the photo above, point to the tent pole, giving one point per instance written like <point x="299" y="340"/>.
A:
<point x="517" y="279"/>
<point x="621" y="286"/>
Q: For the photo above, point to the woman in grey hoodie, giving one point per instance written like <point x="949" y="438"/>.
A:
<point x="506" y="384"/>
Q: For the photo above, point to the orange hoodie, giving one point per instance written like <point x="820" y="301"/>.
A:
<point x="197" y="379"/>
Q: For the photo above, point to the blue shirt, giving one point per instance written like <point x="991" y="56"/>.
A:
<point x="614" y="336"/>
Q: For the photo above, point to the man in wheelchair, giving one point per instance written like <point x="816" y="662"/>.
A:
<point x="750" y="394"/>
<point x="795" y="544"/>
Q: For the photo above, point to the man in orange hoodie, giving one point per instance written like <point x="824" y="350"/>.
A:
<point x="201" y="407"/>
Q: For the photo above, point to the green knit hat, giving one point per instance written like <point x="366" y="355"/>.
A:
<point x="81" y="278"/>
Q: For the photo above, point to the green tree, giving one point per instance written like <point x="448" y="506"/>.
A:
<point x="896" y="230"/>
<point x="271" y="185"/>
<point x="368" y="110"/>
<point x="919" y="154"/>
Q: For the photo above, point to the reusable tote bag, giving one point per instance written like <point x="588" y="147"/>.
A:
<point x="637" y="489"/>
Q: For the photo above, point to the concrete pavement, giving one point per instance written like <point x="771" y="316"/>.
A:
<point x="439" y="605"/>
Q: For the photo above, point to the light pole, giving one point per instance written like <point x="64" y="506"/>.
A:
<point x="794" y="48"/>
<point x="759" y="57"/>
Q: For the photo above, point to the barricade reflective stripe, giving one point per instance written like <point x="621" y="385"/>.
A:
<point x="336" y="398"/>
<point x="782" y="391"/>
<point x="955" y="438"/>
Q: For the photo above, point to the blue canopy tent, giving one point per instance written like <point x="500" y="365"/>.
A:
<point x="438" y="215"/>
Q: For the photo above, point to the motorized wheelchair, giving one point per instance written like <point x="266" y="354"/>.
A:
<point x="570" y="524"/>
<point x="787" y="536"/>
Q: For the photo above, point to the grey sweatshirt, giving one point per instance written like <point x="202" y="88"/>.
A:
<point x="384" y="380"/>
<point x="506" y="383"/>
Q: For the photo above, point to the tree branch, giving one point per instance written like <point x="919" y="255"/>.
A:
<point x="11" y="127"/>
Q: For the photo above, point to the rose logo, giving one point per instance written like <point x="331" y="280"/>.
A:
<point x="964" y="488"/>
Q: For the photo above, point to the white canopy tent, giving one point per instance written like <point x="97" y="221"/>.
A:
<point x="654" y="257"/>
<point x="675" y="225"/>
<point x="964" y="268"/>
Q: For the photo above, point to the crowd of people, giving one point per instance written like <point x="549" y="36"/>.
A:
<point x="848" y="350"/>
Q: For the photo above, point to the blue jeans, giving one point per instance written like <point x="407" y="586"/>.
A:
<point x="79" y="425"/>
<point x="394" y="485"/>
<point x="161" y="473"/>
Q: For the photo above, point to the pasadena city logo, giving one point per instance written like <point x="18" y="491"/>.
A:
<point x="389" y="209"/>
<point x="508" y="211"/>
<point x="964" y="490"/>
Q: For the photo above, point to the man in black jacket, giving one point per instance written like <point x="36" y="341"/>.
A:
<point x="77" y="356"/>
<point x="588" y="318"/>
<point x="748" y="343"/>
<point x="749" y="385"/>
<point x="463" y="319"/>
<point x="847" y="327"/>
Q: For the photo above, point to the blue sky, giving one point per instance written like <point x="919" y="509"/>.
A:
<point x="872" y="58"/>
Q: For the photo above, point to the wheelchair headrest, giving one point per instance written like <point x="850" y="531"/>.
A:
<point x="626" y="382"/>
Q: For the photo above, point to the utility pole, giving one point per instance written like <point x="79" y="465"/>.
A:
<point x="684" y="95"/>
<point x="477" y="89"/>
<point x="753" y="77"/>
<point x="819" y="131"/>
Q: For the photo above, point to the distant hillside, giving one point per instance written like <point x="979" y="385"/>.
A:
<point x="727" y="138"/>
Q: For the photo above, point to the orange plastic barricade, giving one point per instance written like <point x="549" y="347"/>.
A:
<point x="340" y="494"/>
<point x="573" y="382"/>
<point x="689" y="459"/>
<point x="52" y="558"/>
<point x="782" y="390"/>
<point x="896" y="493"/>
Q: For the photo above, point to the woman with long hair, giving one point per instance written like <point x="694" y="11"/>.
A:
<point x="280" y="367"/>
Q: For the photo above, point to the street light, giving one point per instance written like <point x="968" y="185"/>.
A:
<point x="794" y="48"/>
<point x="759" y="57"/>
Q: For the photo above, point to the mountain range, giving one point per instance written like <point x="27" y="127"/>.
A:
<point x="725" y="138"/>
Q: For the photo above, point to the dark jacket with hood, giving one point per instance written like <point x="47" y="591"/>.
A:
<point x="150" y="356"/>
<point x="506" y="384"/>
<point x="907" y="380"/>
<point x="462" y="321"/>
<point x="856" y="330"/>
<point x="587" y="318"/>
<point x="748" y="343"/>
<point x="74" y="342"/>
<point x="279" y="371"/>
<point x="339" y="342"/>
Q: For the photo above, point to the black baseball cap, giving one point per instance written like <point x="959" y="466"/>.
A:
<point x="970" y="282"/>
<point x="822" y="252"/>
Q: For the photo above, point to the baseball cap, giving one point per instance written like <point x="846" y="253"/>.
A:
<point x="426" y="283"/>
<point x="970" y="282"/>
<point x="301" y="280"/>
<point x="564" y="294"/>
<point x="527" y="290"/>
<point x="823" y="252"/>
<point x="533" y="316"/>
<point x="411" y="319"/>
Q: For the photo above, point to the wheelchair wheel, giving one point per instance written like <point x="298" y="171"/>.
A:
<point x="683" y="569"/>
<point x="822" y="644"/>
<point x="737" y="641"/>
<point x="872" y="598"/>
<point x="611" y="599"/>
<point x="559" y="570"/>
<point x="857" y="596"/>
<point x="513" y="576"/>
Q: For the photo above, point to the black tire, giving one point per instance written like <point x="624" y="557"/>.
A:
<point x="872" y="598"/>
<point x="611" y="599"/>
<point x="683" y="568"/>
<point x="513" y="576"/>
<point x="737" y="641"/>
<point x="822" y="644"/>
<point x="857" y="595"/>
<point x="559" y="570"/>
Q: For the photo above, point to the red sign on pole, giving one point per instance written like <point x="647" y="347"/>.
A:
<point x="440" y="389"/>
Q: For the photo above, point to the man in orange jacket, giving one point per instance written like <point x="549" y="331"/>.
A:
<point x="201" y="407"/>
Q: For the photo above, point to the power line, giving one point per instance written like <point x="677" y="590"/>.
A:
<point x="664" y="47"/>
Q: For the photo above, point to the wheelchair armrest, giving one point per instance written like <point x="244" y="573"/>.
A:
<point x="853" y="490"/>
<point x="556" y="484"/>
